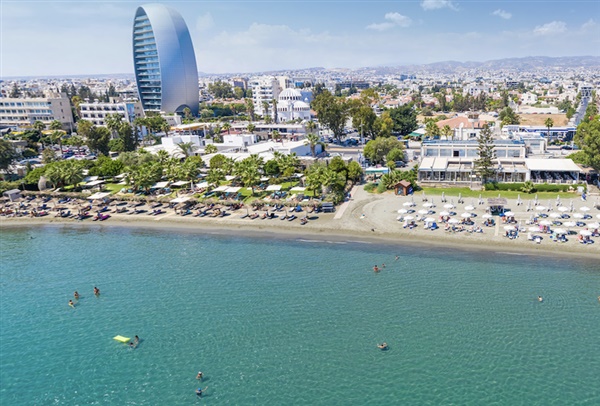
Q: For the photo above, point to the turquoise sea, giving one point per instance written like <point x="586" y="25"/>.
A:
<point x="274" y="321"/>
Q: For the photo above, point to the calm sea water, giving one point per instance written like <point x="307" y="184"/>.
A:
<point x="283" y="322"/>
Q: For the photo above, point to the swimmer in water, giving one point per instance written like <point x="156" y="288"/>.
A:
<point x="71" y="304"/>
<point x="96" y="291"/>
<point x="200" y="390"/>
<point x="540" y="299"/>
<point x="397" y="258"/>
<point x="383" y="265"/>
<point x="200" y="375"/>
<point x="76" y="295"/>
<point x="375" y="268"/>
<point x="382" y="346"/>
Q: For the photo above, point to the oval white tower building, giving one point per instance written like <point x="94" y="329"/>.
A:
<point x="164" y="61"/>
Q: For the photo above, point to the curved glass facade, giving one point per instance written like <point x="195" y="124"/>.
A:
<point x="164" y="60"/>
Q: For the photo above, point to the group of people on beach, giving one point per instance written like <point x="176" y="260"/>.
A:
<point x="76" y="296"/>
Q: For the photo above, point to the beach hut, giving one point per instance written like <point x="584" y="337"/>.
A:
<point x="12" y="194"/>
<point x="403" y="188"/>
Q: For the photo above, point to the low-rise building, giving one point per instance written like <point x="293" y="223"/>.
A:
<point x="97" y="112"/>
<point x="21" y="113"/>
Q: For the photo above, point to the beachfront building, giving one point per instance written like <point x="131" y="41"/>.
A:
<point x="290" y="106"/>
<point x="464" y="127"/>
<point x="98" y="111"/>
<point x="562" y="133"/>
<point x="453" y="162"/>
<point x="20" y="113"/>
<point x="164" y="61"/>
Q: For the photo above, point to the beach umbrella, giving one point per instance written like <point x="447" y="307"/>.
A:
<point x="598" y="216"/>
<point x="408" y="204"/>
<point x="549" y="205"/>
<point x="571" y="205"/>
<point x="448" y="206"/>
<point x="584" y="209"/>
<point x="509" y="214"/>
<point x="555" y="215"/>
<point x="453" y="221"/>
<point x="466" y="215"/>
<point x="569" y="224"/>
<point x="563" y="209"/>
<point x="480" y="199"/>
<point x="558" y="200"/>
<point x="545" y="223"/>
<point x="429" y="220"/>
<point x="428" y="204"/>
<point x="540" y="208"/>
<point x="443" y="196"/>
<point x="469" y="208"/>
<point x="444" y="213"/>
<point x="594" y="225"/>
<point x="510" y="228"/>
<point x="585" y="233"/>
<point x="408" y="218"/>
<point x="578" y="215"/>
<point x="423" y="211"/>
<point x="487" y="216"/>
<point x="534" y="229"/>
<point x="402" y="211"/>
<point x="560" y="231"/>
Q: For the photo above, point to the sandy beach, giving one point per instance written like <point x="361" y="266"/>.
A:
<point x="365" y="217"/>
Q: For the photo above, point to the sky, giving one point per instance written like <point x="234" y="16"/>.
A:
<point x="85" y="37"/>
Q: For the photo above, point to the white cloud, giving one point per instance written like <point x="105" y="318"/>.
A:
<point x="502" y="14"/>
<point x="555" y="27"/>
<point x="437" y="4"/>
<point x="589" y="25"/>
<point x="393" y="20"/>
<point x="205" y="22"/>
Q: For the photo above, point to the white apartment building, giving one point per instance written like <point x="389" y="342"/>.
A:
<point x="264" y="89"/>
<point x="98" y="111"/>
<point x="18" y="113"/>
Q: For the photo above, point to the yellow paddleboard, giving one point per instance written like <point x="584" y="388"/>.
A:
<point x="121" y="339"/>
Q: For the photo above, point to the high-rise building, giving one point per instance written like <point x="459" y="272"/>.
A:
<point x="20" y="113"/>
<point x="164" y="60"/>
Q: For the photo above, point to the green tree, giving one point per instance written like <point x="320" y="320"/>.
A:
<point x="355" y="171"/>
<point x="98" y="139"/>
<point x="251" y="128"/>
<point x="447" y="132"/>
<point x="404" y="118"/>
<point x="549" y="123"/>
<point x="215" y="176"/>
<point x="250" y="108"/>
<point x="84" y="128"/>
<point x="127" y="136"/>
<point x="187" y="113"/>
<point x="113" y="122"/>
<point x="272" y="168"/>
<point x="508" y="117"/>
<point x="432" y="130"/>
<point x="143" y="176"/>
<point x="220" y="90"/>
<point x="238" y="92"/>
<point x="248" y="171"/>
<point x="210" y="149"/>
<point x="312" y="140"/>
<point x="186" y="148"/>
<point x="7" y="154"/>
<point x="332" y="112"/>
<point x="227" y="127"/>
<point x="587" y="138"/>
<point x="38" y="125"/>
<point x="48" y="155"/>
<point x="376" y="150"/>
<point x="484" y="164"/>
<point x="15" y="92"/>
<point x="363" y="120"/>
<point x="56" y="138"/>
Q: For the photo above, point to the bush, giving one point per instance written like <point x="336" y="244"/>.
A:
<point x="4" y="185"/>
<point x="524" y="187"/>
<point x="381" y="188"/>
<point x="370" y="187"/>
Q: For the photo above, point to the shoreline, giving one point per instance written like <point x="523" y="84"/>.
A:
<point x="323" y="234"/>
<point x="363" y="218"/>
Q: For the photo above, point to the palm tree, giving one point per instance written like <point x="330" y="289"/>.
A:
<point x="56" y="136"/>
<point x="250" y="108"/>
<point x="56" y="125"/>
<point x="549" y="124"/>
<point x="227" y="127"/>
<point x="113" y="122"/>
<point x="162" y="156"/>
<point x="186" y="148"/>
<point x="38" y="125"/>
<point x="265" y="106"/>
<point x="215" y="176"/>
<point x="276" y="136"/>
<point x="447" y="131"/>
<point x="310" y="126"/>
<point x="431" y="129"/>
<point x="274" y="103"/>
<point x="312" y="140"/>
<point x="210" y="149"/>
<point x="251" y="128"/>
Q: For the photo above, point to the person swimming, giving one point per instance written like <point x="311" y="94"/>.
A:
<point x="200" y="375"/>
<point x="71" y="304"/>
<point x="382" y="346"/>
<point x="199" y="391"/>
<point x="96" y="291"/>
<point x="375" y="268"/>
<point x="540" y="299"/>
<point x="76" y="295"/>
